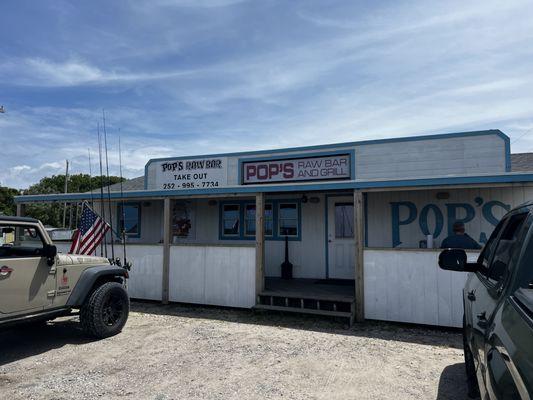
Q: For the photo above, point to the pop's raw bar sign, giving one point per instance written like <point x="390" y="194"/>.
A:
<point x="192" y="174"/>
<point x="297" y="169"/>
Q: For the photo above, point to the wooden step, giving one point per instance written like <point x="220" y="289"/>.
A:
<point x="304" y="310"/>
<point x="320" y="297"/>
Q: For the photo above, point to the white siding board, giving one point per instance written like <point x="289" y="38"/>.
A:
<point x="408" y="286"/>
<point x="147" y="271"/>
<point x="214" y="275"/>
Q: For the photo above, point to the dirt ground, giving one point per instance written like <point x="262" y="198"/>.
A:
<point x="186" y="352"/>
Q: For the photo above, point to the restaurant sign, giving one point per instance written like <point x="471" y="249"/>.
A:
<point x="297" y="169"/>
<point x="199" y="173"/>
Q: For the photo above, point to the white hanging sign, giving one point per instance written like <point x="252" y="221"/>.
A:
<point x="198" y="173"/>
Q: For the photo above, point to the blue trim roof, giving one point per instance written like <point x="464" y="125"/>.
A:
<point x="313" y="186"/>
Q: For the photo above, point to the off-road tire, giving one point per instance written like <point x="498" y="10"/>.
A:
<point x="105" y="312"/>
<point x="470" y="367"/>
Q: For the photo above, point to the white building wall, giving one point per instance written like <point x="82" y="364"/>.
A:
<point x="397" y="159"/>
<point x="468" y="155"/>
<point x="216" y="275"/>
<point x="409" y="286"/>
<point x="308" y="255"/>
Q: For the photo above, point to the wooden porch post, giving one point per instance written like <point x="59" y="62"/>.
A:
<point x="21" y="210"/>
<point x="259" y="243"/>
<point x="359" y="251"/>
<point x="166" y="250"/>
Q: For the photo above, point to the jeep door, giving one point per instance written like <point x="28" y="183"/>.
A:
<point x="498" y="259"/>
<point x="27" y="283"/>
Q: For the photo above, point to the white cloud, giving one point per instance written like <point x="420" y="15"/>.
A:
<point x="183" y="77"/>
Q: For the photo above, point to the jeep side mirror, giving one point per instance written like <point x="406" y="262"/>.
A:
<point x="50" y="252"/>
<point x="456" y="260"/>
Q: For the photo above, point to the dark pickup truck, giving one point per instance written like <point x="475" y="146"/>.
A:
<point x="498" y="309"/>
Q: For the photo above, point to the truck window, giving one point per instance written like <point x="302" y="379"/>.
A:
<point x="20" y="241"/>
<point x="488" y="250"/>
<point x="508" y="245"/>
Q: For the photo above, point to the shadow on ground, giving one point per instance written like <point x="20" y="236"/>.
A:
<point x="452" y="383"/>
<point x="410" y="333"/>
<point x="26" y="340"/>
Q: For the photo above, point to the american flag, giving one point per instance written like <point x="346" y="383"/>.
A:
<point x="90" y="232"/>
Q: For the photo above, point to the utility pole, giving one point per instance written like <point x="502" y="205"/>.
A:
<point x="66" y="190"/>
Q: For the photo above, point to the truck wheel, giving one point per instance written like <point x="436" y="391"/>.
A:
<point x="470" y="367"/>
<point x="105" y="312"/>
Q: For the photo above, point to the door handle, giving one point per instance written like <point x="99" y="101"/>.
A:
<point x="471" y="295"/>
<point x="5" y="270"/>
<point x="482" y="320"/>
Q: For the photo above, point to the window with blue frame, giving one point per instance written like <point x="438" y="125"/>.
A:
<point x="249" y="220"/>
<point x="288" y="219"/>
<point x="282" y="218"/>
<point x="129" y="220"/>
<point x="231" y="219"/>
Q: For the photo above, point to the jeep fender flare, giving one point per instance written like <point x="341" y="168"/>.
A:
<point x="89" y="277"/>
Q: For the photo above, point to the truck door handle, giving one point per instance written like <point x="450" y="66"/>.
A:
<point x="471" y="295"/>
<point x="482" y="320"/>
<point x="5" y="270"/>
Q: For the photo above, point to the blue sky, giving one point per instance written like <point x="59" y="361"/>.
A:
<point x="183" y="77"/>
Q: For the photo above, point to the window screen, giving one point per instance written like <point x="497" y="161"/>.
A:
<point x="344" y="220"/>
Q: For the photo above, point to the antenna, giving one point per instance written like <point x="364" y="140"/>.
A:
<point x="108" y="189"/>
<point x="101" y="189"/>
<point x="122" y="228"/>
<point x="66" y="190"/>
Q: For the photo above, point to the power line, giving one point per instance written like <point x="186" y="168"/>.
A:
<point x="522" y="135"/>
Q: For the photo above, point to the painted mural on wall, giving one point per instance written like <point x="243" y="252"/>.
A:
<point x="403" y="219"/>
<point x="443" y="219"/>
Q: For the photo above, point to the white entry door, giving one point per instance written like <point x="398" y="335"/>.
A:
<point x="341" y="244"/>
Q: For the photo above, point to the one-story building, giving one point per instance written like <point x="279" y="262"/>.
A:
<point x="362" y="221"/>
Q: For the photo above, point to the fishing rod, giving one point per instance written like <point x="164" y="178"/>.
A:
<point x="123" y="227"/>
<point x="101" y="190"/>
<point x="90" y="178"/>
<point x="108" y="189"/>
<point x="90" y="183"/>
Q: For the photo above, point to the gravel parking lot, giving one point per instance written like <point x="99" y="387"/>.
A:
<point x="186" y="352"/>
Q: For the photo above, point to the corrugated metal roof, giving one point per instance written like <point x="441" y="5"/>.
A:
<point x="521" y="162"/>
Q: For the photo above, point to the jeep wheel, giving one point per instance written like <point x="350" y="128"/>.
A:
<point x="106" y="311"/>
<point x="471" y="379"/>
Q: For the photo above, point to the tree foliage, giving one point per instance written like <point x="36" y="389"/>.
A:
<point x="52" y="213"/>
<point x="7" y="201"/>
